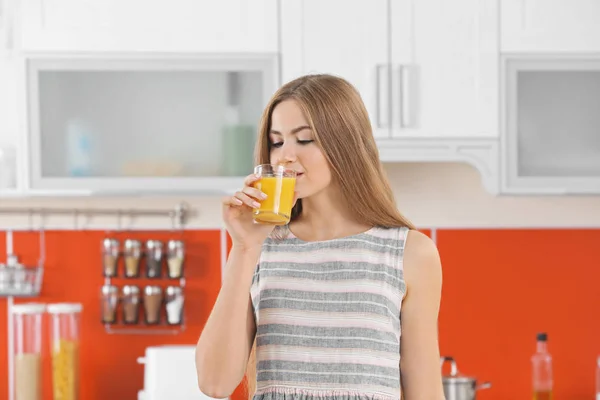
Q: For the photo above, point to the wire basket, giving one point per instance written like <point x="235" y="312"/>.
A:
<point x="20" y="281"/>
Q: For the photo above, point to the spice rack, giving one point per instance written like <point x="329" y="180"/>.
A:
<point x="143" y="291"/>
<point x="33" y="276"/>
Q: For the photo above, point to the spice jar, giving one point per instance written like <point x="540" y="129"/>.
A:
<point x="152" y="304"/>
<point x="109" y="301"/>
<point x="110" y="256"/>
<point x="27" y="350"/>
<point x="131" y="304"/>
<point x="64" y="342"/>
<point x="132" y="258"/>
<point x="174" y="305"/>
<point x="154" y="254"/>
<point x="175" y="256"/>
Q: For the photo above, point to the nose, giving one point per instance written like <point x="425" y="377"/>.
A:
<point x="288" y="153"/>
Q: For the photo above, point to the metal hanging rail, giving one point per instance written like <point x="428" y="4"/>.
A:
<point x="180" y="214"/>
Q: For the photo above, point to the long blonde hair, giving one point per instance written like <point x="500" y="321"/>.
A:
<point x="342" y="129"/>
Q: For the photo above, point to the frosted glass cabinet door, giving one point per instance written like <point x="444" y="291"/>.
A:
<point x="151" y="125"/>
<point x="552" y="138"/>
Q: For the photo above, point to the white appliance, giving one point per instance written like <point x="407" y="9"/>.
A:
<point x="170" y="373"/>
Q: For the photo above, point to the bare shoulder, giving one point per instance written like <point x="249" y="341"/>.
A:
<point x="421" y="259"/>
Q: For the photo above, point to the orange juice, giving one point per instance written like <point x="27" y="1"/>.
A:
<point x="276" y="209"/>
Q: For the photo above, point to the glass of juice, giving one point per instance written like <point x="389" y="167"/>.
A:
<point x="278" y="183"/>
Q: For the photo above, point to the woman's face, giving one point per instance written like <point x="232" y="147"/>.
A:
<point x="293" y="145"/>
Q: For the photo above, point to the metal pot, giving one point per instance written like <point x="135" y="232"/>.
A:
<point x="458" y="386"/>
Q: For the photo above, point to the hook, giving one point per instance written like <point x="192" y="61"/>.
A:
<point x="131" y="214"/>
<point x="173" y="220"/>
<point x="30" y="218"/>
<point x="43" y="216"/>
<point x="42" y="240"/>
<point x="119" y="220"/>
<point x="86" y="220"/>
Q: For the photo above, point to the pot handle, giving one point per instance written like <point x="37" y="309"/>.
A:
<point x="484" y="385"/>
<point x="453" y="368"/>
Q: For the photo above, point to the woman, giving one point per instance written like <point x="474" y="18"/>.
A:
<point x="343" y="301"/>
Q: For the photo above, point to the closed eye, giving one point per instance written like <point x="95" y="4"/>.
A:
<point x="301" y="142"/>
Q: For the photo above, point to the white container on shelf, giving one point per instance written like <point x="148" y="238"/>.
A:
<point x="170" y="373"/>
<point x="64" y="344"/>
<point x="27" y="350"/>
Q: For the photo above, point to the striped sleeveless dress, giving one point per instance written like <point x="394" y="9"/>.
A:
<point x="328" y="317"/>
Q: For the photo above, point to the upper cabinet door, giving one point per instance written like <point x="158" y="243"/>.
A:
<point x="445" y="68"/>
<point x="150" y="25"/>
<point x="550" y="25"/>
<point x="347" y="38"/>
<point x="551" y="141"/>
<point x="163" y="125"/>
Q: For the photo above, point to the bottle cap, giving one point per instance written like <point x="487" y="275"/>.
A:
<point x="542" y="337"/>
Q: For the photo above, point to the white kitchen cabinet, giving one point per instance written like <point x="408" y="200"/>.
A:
<point x="550" y="26"/>
<point x="246" y="26"/>
<point x="426" y="68"/>
<point x="10" y="139"/>
<point x="345" y="38"/>
<point x="444" y="57"/>
<point x="143" y="124"/>
<point x="427" y="71"/>
<point x="551" y="140"/>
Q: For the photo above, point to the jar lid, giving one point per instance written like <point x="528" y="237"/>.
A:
<point x="64" y="308"/>
<point x="173" y="290"/>
<point x="132" y="243"/>
<point x="109" y="289"/>
<point x="29" y="308"/>
<point x="175" y="244"/>
<point x="109" y="242"/>
<point x="152" y="290"/>
<point x="154" y="244"/>
<point x="130" y="289"/>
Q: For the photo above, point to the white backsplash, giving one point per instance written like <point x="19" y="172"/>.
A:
<point x="431" y="195"/>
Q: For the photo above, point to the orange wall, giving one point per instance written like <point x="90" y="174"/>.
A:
<point x="73" y="273"/>
<point x="500" y="288"/>
<point x="503" y="286"/>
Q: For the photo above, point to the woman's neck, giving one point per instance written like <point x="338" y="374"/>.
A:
<point x="325" y="216"/>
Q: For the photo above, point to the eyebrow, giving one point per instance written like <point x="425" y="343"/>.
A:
<point x="294" y="131"/>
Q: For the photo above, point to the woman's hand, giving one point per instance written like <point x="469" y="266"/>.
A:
<point x="237" y="215"/>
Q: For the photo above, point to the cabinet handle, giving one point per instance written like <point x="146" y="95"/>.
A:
<point x="382" y="96"/>
<point x="405" y="109"/>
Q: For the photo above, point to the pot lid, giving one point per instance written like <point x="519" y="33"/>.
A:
<point x="458" y="379"/>
<point x="454" y="375"/>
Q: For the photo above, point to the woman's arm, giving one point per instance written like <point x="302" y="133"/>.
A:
<point x="224" y="346"/>
<point x="419" y="349"/>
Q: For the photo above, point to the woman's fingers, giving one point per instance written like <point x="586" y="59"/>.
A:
<point x="255" y="193"/>
<point x="249" y="195"/>
<point x="250" y="179"/>
<point x="247" y="200"/>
